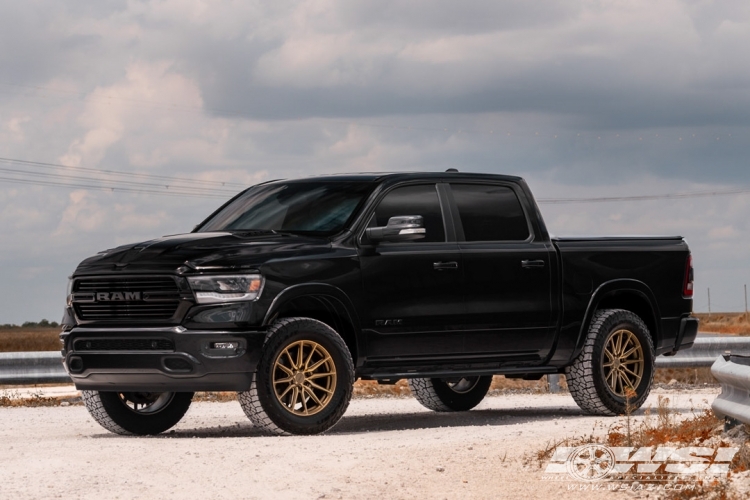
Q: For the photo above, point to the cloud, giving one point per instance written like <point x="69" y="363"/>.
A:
<point x="582" y="98"/>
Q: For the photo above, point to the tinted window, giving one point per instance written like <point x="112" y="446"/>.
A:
<point x="414" y="200"/>
<point x="304" y="207"/>
<point x="490" y="213"/>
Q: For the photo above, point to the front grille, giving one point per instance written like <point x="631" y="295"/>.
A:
<point x="126" y="298"/>
<point x="132" y="284"/>
<point x="123" y="345"/>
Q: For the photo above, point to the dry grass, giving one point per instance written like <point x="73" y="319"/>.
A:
<point x="734" y="323"/>
<point x="29" y="339"/>
<point x="663" y="426"/>
<point x="500" y="385"/>
<point x="13" y="398"/>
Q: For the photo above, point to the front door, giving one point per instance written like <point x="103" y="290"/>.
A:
<point x="412" y="289"/>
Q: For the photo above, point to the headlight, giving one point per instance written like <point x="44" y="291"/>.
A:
<point x="216" y="289"/>
<point x="69" y="291"/>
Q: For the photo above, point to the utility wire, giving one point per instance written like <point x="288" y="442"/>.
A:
<point x="119" y="173"/>
<point x="600" y="199"/>
<point x="199" y="190"/>
<point x="110" y="189"/>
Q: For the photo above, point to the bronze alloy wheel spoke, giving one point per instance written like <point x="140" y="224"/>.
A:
<point x="294" y="386"/>
<point x="630" y="352"/>
<point x="625" y="369"/>
<point x="307" y="361"/>
<point x="318" y="364"/>
<point x="295" y="394"/>
<point x="327" y="391"/>
<point x="630" y="362"/>
<point x="613" y="376"/>
<point x="289" y="388"/>
<point x="623" y="355"/>
<point x="618" y="349"/>
<point x="285" y="369"/>
<point x="312" y="395"/>
<point x="618" y="381"/>
<point x="291" y="360"/>
<point x="300" y="350"/>
<point x="302" y="399"/>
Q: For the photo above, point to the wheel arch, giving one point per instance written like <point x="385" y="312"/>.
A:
<point x="628" y="294"/>
<point x="323" y="302"/>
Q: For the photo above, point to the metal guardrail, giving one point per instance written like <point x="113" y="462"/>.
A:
<point x="18" y="368"/>
<point x="704" y="352"/>
<point x="733" y="372"/>
<point x="28" y="368"/>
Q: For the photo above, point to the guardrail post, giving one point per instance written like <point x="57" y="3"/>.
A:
<point x="553" y="382"/>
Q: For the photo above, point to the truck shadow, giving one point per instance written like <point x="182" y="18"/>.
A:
<point x="370" y="423"/>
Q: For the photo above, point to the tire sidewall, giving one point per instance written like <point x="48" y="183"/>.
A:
<point x="145" y="423"/>
<point x="622" y="321"/>
<point x="461" y="401"/>
<point x="323" y="335"/>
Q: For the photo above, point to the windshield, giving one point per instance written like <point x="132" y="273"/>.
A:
<point x="321" y="208"/>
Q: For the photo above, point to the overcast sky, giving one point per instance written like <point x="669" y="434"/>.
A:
<point x="582" y="98"/>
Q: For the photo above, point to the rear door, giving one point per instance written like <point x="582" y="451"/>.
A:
<point x="507" y="273"/>
<point x="412" y="289"/>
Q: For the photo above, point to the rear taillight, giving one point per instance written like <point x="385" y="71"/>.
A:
<point x="687" y="288"/>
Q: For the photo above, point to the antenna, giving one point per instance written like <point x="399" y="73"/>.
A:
<point x="452" y="170"/>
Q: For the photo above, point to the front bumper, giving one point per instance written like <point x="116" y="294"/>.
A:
<point x="161" y="359"/>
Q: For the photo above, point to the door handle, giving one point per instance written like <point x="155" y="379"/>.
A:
<point x="532" y="264"/>
<point x="445" y="266"/>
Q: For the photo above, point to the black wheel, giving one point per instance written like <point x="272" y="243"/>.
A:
<point x="450" y="394"/>
<point x="614" y="372"/>
<point x="304" y="379"/>
<point x="139" y="413"/>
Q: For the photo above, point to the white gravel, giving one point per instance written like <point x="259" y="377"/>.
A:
<point x="382" y="448"/>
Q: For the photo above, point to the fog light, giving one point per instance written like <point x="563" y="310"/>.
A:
<point x="224" y="345"/>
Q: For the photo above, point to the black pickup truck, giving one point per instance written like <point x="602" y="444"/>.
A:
<point x="294" y="289"/>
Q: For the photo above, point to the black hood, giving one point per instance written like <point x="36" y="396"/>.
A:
<point x="220" y="249"/>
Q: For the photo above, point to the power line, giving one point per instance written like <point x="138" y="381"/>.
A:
<point x="208" y="192"/>
<point x="117" y="183"/>
<point x="110" y="188"/>
<point x="600" y="199"/>
<point x="118" y="173"/>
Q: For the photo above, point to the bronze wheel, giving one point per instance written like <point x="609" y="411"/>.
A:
<point x="304" y="377"/>
<point x="624" y="362"/>
<point x="614" y="371"/>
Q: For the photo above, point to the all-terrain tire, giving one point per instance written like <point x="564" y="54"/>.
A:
<point x="274" y="414"/>
<point x="439" y="394"/>
<point x="586" y="376"/>
<point x="110" y="410"/>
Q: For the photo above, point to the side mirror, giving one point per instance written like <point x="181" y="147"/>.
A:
<point x="399" y="228"/>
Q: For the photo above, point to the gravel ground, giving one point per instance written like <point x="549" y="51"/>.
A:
<point x="382" y="448"/>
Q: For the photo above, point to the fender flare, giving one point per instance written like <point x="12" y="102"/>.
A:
<point x="609" y="288"/>
<point x="319" y="290"/>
